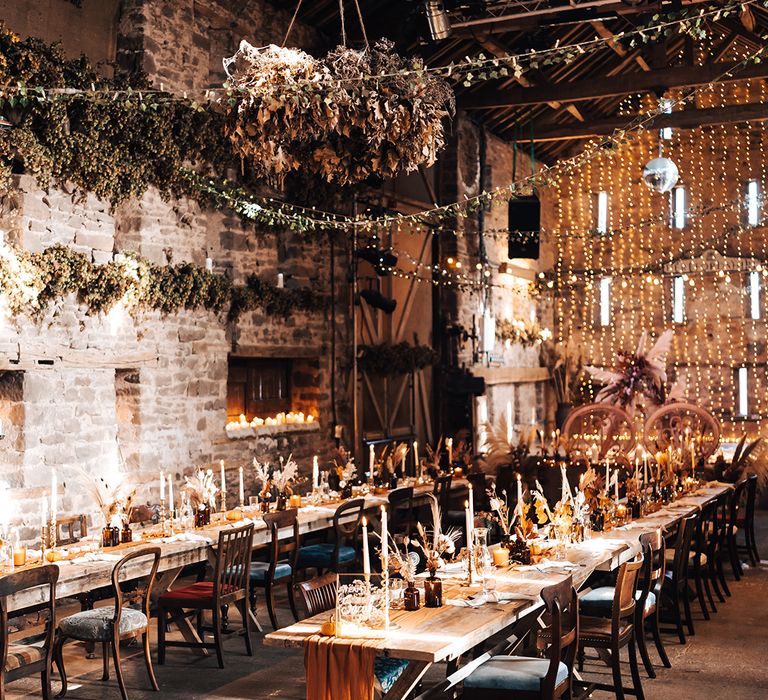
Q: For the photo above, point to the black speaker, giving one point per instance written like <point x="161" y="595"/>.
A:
<point x="524" y="216"/>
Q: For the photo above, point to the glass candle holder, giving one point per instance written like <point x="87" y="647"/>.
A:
<point x="412" y="597"/>
<point x="19" y="555"/>
<point x="433" y="592"/>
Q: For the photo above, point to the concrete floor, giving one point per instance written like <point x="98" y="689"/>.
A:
<point x="727" y="659"/>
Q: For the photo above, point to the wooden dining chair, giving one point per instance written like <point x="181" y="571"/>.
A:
<point x="342" y="553"/>
<point x="71" y="529"/>
<point x="501" y="677"/>
<point x="34" y="654"/>
<point x="281" y="567"/>
<point x="675" y="586"/>
<point x="319" y="595"/>
<point x="618" y="631"/>
<point x="229" y="586"/>
<point x="128" y="618"/>
<point x="746" y="521"/>
<point x="736" y="517"/>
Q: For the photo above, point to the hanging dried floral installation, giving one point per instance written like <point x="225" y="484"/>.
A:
<point x="290" y="111"/>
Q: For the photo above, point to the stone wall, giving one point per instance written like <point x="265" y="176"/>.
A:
<point x="139" y="391"/>
<point x="484" y="162"/>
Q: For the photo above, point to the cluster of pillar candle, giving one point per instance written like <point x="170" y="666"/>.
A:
<point x="282" y="418"/>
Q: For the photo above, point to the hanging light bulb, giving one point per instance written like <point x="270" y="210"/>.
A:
<point x="661" y="174"/>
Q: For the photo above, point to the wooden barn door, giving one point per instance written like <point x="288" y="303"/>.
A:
<point x="397" y="407"/>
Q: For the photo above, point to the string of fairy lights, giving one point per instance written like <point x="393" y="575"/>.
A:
<point x="718" y="333"/>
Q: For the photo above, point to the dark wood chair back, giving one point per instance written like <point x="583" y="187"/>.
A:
<point x="738" y="502"/>
<point x="44" y="577"/>
<point x="654" y="566"/>
<point x="319" y="594"/>
<point x="233" y="558"/>
<point x="750" y="499"/>
<point x="442" y="489"/>
<point x="140" y="586"/>
<point x="71" y="529"/>
<point x="401" y="511"/>
<point x="287" y="548"/>
<point x="562" y="604"/>
<point x="346" y="525"/>
<point x="707" y="531"/>
<point x="685" y="532"/>
<point x="623" y="610"/>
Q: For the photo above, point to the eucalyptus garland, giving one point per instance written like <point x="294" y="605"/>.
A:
<point x="387" y="359"/>
<point x="31" y="282"/>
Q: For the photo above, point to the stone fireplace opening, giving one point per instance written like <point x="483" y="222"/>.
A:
<point x="265" y="394"/>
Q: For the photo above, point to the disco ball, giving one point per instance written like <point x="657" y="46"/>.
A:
<point x="660" y="174"/>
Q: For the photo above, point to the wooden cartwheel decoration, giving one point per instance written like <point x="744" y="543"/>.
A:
<point x="678" y="423"/>
<point x="607" y="426"/>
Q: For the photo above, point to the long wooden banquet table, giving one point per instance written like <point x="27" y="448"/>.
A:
<point x="92" y="571"/>
<point x="433" y="635"/>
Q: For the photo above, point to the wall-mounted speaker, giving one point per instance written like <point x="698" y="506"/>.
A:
<point x="524" y="215"/>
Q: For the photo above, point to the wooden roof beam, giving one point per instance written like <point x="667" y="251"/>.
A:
<point x="685" y="119"/>
<point x="597" y="88"/>
<point x="604" y="33"/>
<point x="498" y="49"/>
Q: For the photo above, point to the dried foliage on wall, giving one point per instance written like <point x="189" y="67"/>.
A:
<point x="30" y="282"/>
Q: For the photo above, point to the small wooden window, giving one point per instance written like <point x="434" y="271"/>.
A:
<point x="258" y="387"/>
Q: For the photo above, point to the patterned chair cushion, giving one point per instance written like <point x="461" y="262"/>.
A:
<point x="260" y="569"/>
<point x="387" y="671"/>
<point x="96" y="625"/>
<point x="599" y="601"/>
<point x="322" y="555"/>
<point x="22" y="655"/>
<point x="513" y="673"/>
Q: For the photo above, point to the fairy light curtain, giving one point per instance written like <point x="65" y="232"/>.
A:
<point x="706" y="280"/>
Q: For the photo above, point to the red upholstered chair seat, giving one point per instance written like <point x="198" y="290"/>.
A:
<point x="194" y="594"/>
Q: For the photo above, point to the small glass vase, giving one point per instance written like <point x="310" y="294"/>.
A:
<point x="481" y="554"/>
<point x="433" y="591"/>
<point x="282" y="500"/>
<point x="411" y="598"/>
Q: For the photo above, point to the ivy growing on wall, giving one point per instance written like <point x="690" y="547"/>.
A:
<point x="31" y="282"/>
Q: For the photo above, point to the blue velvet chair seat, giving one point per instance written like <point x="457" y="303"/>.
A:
<point x="387" y="671"/>
<point x="96" y="625"/>
<point x="599" y="601"/>
<point x="322" y="555"/>
<point x="260" y="569"/>
<point x="513" y="673"/>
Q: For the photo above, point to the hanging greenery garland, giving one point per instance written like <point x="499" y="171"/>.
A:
<point x="387" y="359"/>
<point x="30" y="282"/>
